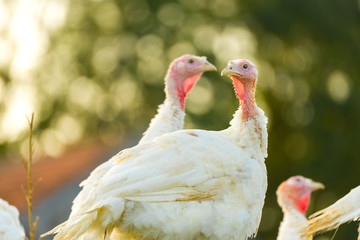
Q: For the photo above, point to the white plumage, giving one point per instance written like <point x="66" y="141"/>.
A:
<point x="291" y="225"/>
<point x="344" y="210"/>
<point x="293" y="196"/>
<point x="10" y="227"/>
<point x="180" y="78"/>
<point x="189" y="184"/>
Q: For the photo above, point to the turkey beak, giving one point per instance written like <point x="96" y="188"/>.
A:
<point x="316" y="185"/>
<point x="230" y="70"/>
<point x="206" y="66"/>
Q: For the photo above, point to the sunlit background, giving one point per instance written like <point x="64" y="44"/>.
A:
<point x="92" y="71"/>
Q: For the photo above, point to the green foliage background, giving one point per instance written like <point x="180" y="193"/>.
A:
<point x="100" y="75"/>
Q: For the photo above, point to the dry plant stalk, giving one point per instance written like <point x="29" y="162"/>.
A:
<point x="30" y="188"/>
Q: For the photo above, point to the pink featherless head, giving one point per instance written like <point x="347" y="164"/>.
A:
<point x="244" y="75"/>
<point x="185" y="71"/>
<point x="295" y="192"/>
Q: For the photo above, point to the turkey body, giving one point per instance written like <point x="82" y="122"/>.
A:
<point x="209" y="202"/>
<point x="189" y="184"/>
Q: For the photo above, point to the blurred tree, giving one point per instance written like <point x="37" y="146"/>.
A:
<point x="94" y="69"/>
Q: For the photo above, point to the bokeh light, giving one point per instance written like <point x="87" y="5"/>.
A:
<point x="94" y="71"/>
<point x="338" y="86"/>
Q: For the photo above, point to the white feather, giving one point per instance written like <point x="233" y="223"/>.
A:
<point x="291" y="225"/>
<point x="169" y="118"/>
<point x="10" y="227"/>
<point x="344" y="210"/>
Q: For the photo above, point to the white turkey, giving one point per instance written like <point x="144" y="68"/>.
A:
<point x="182" y="75"/>
<point x="10" y="227"/>
<point x="293" y="196"/>
<point x="344" y="210"/>
<point x="189" y="184"/>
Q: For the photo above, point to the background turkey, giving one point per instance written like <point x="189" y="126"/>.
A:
<point x="294" y="197"/>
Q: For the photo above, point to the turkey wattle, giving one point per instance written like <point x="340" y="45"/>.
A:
<point x="293" y="196"/>
<point x="189" y="184"/>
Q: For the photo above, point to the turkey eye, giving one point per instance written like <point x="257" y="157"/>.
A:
<point x="191" y="61"/>
<point x="245" y="66"/>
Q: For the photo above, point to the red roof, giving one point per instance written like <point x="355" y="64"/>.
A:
<point x="54" y="173"/>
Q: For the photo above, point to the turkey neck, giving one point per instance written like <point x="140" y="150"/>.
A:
<point x="170" y="115"/>
<point x="291" y="224"/>
<point x="174" y="89"/>
<point x="174" y="96"/>
<point x="245" y="91"/>
<point x="248" y="127"/>
<point x="169" y="118"/>
<point x="247" y="113"/>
